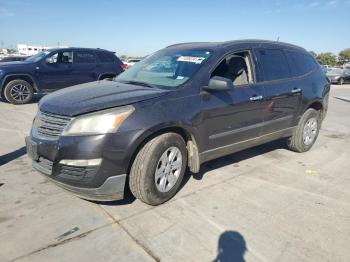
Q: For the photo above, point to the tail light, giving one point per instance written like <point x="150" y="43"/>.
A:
<point x="123" y="66"/>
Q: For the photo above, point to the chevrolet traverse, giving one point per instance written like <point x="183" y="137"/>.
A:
<point x="178" y="108"/>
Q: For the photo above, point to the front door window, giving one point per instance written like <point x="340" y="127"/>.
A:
<point x="63" y="57"/>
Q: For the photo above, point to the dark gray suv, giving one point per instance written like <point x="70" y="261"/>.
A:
<point x="176" y="109"/>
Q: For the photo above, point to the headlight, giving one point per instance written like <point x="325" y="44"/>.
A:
<point x="336" y="77"/>
<point x="102" y="122"/>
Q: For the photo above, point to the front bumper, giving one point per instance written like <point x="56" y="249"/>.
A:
<point x="334" y="80"/>
<point x="112" y="189"/>
<point x="104" y="182"/>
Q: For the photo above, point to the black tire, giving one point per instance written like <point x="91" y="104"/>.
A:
<point x="296" y="142"/>
<point x="18" y="92"/>
<point x="3" y="96"/>
<point x="142" y="180"/>
<point x="107" y="77"/>
<point x="341" y="81"/>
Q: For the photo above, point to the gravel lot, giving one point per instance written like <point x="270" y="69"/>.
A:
<point x="262" y="204"/>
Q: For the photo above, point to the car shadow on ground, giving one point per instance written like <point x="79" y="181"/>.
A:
<point x="231" y="247"/>
<point x="4" y="159"/>
<point x="235" y="158"/>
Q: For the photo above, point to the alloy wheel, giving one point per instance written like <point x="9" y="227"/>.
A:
<point x="20" y="92"/>
<point x="168" y="169"/>
<point x="310" y="131"/>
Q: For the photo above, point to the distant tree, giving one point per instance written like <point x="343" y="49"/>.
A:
<point x="327" y="59"/>
<point x="344" y="55"/>
<point x="313" y="53"/>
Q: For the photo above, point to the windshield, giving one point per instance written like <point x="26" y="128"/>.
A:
<point x="335" y="71"/>
<point x="166" y="68"/>
<point x="37" y="57"/>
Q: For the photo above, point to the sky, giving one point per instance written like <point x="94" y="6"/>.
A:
<point x="138" y="28"/>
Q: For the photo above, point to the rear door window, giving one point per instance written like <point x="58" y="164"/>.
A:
<point x="83" y="57"/>
<point x="273" y="64"/>
<point x="300" y="63"/>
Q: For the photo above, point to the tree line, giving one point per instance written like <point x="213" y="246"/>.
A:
<point x="331" y="59"/>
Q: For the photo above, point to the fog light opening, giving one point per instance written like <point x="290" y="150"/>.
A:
<point x="81" y="162"/>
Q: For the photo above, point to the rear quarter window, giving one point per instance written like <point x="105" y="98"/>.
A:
<point x="83" y="57"/>
<point x="273" y="64"/>
<point x="300" y="63"/>
<point x="106" y="57"/>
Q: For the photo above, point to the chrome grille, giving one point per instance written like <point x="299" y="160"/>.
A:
<point x="50" y="126"/>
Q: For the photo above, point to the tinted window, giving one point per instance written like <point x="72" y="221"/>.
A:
<point x="274" y="64"/>
<point x="106" y="57"/>
<point x="84" y="57"/>
<point x="300" y="63"/>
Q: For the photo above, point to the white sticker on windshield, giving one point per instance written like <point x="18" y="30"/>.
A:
<point x="180" y="77"/>
<point x="191" y="59"/>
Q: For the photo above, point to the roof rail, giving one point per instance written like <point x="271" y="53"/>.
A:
<point x="188" y="43"/>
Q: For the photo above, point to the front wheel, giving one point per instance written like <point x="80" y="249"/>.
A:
<point x="305" y="134"/>
<point x="158" y="169"/>
<point x="18" y="92"/>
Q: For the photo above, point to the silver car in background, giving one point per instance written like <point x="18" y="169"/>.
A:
<point x="339" y="76"/>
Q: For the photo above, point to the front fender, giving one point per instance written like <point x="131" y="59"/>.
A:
<point x="143" y="136"/>
<point x="19" y="76"/>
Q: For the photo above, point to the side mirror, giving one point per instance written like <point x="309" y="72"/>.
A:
<point x="219" y="83"/>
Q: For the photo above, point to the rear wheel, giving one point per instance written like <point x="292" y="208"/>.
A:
<point x="18" y="92"/>
<point x="305" y="134"/>
<point x="158" y="169"/>
<point x="107" y="77"/>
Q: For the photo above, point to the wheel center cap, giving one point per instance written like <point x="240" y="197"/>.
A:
<point x="167" y="169"/>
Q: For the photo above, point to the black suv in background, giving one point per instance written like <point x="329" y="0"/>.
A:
<point x="181" y="106"/>
<point x="54" y="69"/>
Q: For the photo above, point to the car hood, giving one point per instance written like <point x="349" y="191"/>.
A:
<point x="333" y="75"/>
<point x="96" y="96"/>
<point x="13" y="64"/>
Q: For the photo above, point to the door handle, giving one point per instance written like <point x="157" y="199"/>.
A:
<point x="256" y="98"/>
<point x="296" y="90"/>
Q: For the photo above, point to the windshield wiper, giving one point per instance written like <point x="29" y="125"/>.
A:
<point x="138" y="83"/>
